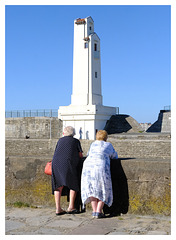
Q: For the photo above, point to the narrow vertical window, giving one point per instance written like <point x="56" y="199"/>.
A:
<point x="95" y="74"/>
<point x="95" y="47"/>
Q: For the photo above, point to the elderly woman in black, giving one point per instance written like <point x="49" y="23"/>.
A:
<point x="64" y="168"/>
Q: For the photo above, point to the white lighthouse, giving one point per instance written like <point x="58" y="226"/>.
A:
<point x="86" y="112"/>
<point x="86" y="64"/>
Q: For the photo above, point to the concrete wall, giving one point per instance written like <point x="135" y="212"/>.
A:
<point x="146" y="163"/>
<point x="166" y="121"/>
<point x="145" y="146"/>
<point x="34" y="127"/>
<point x="163" y="124"/>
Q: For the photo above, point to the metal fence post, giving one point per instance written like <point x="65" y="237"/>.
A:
<point x="117" y="110"/>
<point x="50" y="127"/>
<point x="30" y="113"/>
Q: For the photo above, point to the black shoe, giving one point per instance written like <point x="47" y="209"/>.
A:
<point x="74" y="211"/>
<point x="61" y="213"/>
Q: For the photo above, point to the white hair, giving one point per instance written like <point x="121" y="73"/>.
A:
<point x="69" y="131"/>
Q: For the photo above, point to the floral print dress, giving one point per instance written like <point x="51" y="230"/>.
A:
<point x="96" y="176"/>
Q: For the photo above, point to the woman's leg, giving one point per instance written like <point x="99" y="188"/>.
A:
<point x="94" y="202"/>
<point x="72" y="199"/>
<point x="57" y="195"/>
<point x="100" y="205"/>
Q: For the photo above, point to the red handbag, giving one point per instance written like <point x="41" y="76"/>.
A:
<point x="48" y="168"/>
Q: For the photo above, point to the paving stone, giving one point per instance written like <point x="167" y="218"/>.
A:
<point x="89" y="230"/>
<point x="44" y="222"/>
<point x="37" y="221"/>
<point x="48" y="231"/>
<point x="156" y="233"/>
<point x="64" y="223"/>
<point x="118" y="233"/>
<point x="11" y="225"/>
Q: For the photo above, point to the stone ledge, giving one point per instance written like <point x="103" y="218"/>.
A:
<point x="148" y="183"/>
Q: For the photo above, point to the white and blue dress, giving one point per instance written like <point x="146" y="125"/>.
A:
<point x="96" y="175"/>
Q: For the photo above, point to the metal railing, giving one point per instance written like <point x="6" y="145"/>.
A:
<point x="32" y="113"/>
<point x="117" y="110"/>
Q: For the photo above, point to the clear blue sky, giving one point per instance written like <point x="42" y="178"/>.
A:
<point x="135" y="57"/>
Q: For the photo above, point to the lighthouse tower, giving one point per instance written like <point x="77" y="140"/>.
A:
<point x="86" y="112"/>
<point x="86" y="64"/>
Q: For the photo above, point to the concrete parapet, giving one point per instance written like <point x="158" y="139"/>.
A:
<point x="141" y="145"/>
<point x="163" y="123"/>
<point x="33" y="127"/>
<point x="30" y="147"/>
<point x="138" y="146"/>
<point x="146" y="163"/>
<point x="148" y="184"/>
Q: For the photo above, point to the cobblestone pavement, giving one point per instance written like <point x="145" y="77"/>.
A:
<point x="43" y="221"/>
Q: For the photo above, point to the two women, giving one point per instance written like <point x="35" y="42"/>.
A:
<point x="96" y="185"/>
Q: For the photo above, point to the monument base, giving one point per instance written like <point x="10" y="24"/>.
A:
<point x="86" y="119"/>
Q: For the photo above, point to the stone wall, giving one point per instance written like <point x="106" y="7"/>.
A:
<point x="33" y="127"/>
<point x="163" y="123"/>
<point x="145" y="160"/>
<point x="142" y="146"/>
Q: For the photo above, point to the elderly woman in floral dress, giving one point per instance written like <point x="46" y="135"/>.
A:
<point x="96" y="184"/>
